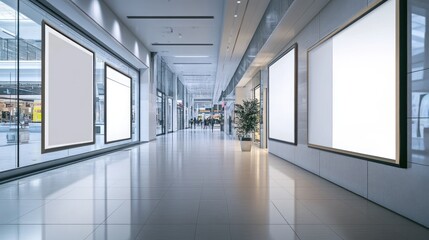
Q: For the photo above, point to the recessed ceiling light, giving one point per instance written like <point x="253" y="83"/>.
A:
<point x="235" y="15"/>
<point x="239" y="2"/>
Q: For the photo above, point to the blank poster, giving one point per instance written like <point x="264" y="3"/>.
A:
<point x="282" y="98"/>
<point x="353" y="87"/>
<point x="68" y="92"/>
<point x="117" y="105"/>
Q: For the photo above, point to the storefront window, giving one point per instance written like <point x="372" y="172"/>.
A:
<point x="160" y="124"/>
<point x="8" y="86"/>
<point x="20" y="93"/>
<point x="257" y="95"/>
<point x="170" y="114"/>
<point x="180" y="115"/>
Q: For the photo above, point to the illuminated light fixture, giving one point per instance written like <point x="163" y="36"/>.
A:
<point x="196" y="56"/>
<point x="238" y="2"/>
<point x="235" y="15"/>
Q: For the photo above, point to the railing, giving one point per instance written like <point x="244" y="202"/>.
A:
<point x="28" y="50"/>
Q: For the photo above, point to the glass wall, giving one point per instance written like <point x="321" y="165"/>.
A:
<point x="165" y="78"/>
<point x="257" y="95"/>
<point x="180" y="99"/>
<point x="170" y="114"/>
<point x="160" y="113"/>
<point x="419" y="76"/>
<point x="8" y="85"/>
<point x="20" y="93"/>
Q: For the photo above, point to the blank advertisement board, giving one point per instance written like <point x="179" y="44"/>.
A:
<point x="117" y="105"/>
<point x="357" y="87"/>
<point x="67" y="92"/>
<point x="282" y="97"/>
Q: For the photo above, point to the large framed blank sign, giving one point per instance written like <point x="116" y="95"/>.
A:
<point x="117" y="105"/>
<point x="67" y="92"/>
<point x="357" y="87"/>
<point x="282" y="97"/>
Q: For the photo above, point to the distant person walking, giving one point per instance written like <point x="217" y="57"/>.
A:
<point x="195" y="122"/>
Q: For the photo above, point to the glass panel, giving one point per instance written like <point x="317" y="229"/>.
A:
<point x="160" y="113"/>
<point x="170" y="115"/>
<point x="135" y="105"/>
<point x="257" y="95"/>
<point x="419" y="54"/>
<point x="8" y="82"/>
<point x="99" y="103"/>
<point x="419" y="79"/>
<point x="30" y="85"/>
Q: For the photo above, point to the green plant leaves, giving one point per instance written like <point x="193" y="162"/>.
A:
<point x="246" y="117"/>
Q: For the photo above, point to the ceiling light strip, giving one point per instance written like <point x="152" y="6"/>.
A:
<point x="196" y="75"/>
<point x="193" y="63"/>
<point x="170" y="17"/>
<point x="182" y="44"/>
<point x="195" y="56"/>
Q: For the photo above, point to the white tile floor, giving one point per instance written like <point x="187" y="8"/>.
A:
<point x="192" y="184"/>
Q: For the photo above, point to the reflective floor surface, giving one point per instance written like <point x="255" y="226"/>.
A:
<point x="193" y="184"/>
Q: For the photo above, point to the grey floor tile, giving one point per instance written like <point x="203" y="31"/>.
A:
<point x="214" y="183"/>
<point x="183" y="211"/>
<point x="315" y="232"/>
<point x="183" y="193"/>
<point x="185" y="186"/>
<point x="71" y="212"/>
<point x="266" y="232"/>
<point x="213" y="212"/>
<point x="194" y="183"/>
<point x="372" y="232"/>
<point x="30" y="191"/>
<point x="116" y="232"/>
<point x="45" y="232"/>
<point x="296" y="213"/>
<point x="115" y="193"/>
<point x="254" y="212"/>
<point x="335" y="212"/>
<point x="12" y="209"/>
<point x="376" y="214"/>
<point x="213" y="193"/>
<point x="212" y="232"/>
<point x="167" y="232"/>
<point x="250" y="193"/>
<point x="133" y="212"/>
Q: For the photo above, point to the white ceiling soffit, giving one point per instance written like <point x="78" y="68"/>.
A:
<point x="299" y="14"/>
<point x="186" y="33"/>
<point x="240" y="20"/>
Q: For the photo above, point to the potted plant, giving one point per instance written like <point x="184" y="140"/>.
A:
<point x="246" y="120"/>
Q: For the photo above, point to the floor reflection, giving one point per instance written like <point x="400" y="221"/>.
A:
<point x="193" y="184"/>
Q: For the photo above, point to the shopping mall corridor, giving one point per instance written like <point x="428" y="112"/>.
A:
<point x="192" y="184"/>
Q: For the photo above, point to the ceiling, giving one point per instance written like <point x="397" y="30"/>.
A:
<point x="202" y="41"/>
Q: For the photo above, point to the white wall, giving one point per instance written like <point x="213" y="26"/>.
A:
<point x="102" y="16"/>
<point x="404" y="191"/>
<point x="147" y="106"/>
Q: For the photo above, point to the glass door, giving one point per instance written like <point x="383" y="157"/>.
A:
<point x="170" y="114"/>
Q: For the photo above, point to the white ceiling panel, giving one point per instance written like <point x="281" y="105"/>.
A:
<point x="217" y="33"/>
